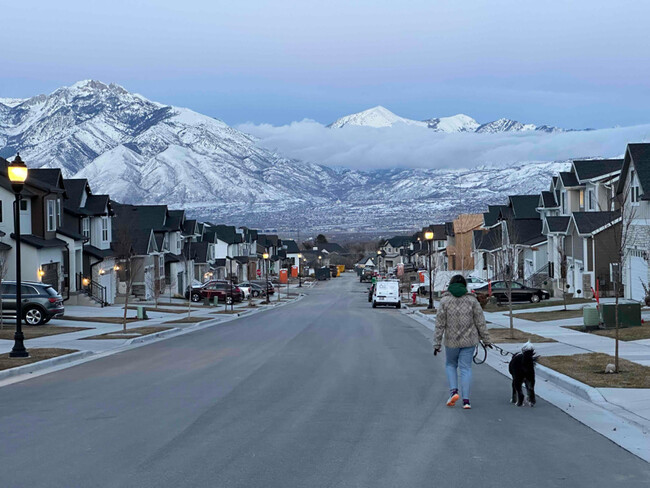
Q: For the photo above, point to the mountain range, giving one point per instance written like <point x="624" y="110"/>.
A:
<point x="382" y="117"/>
<point x="140" y="151"/>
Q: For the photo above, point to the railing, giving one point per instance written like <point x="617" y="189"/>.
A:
<point x="537" y="279"/>
<point x="92" y="289"/>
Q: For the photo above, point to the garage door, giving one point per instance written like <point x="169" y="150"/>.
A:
<point x="638" y="275"/>
<point x="51" y="275"/>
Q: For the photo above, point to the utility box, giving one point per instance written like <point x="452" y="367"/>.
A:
<point x="629" y="314"/>
<point x="590" y="317"/>
<point x="142" y="312"/>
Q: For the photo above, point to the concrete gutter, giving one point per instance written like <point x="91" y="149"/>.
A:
<point x="45" y="364"/>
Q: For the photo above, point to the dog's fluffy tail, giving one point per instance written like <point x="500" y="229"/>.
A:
<point x="528" y="352"/>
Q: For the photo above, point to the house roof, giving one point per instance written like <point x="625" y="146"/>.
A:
<point x="547" y="199"/>
<point x="526" y="232"/>
<point x="524" y="206"/>
<point x="142" y="216"/>
<point x="75" y="189"/>
<point x="639" y="156"/>
<point x="96" y="252"/>
<point x="172" y="258"/>
<point x="594" y="222"/>
<point x="569" y="179"/>
<point x="491" y="217"/>
<point x="39" y="242"/>
<point x="487" y="239"/>
<point x="189" y="226"/>
<point x="596" y="168"/>
<point x="4" y="246"/>
<point x="52" y="178"/>
<point x="198" y="251"/>
<point x="366" y="258"/>
<point x="449" y="229"/>
<point x="175" y="220"/>
<point x="292" y="247"/>
<point x="557" y="224"/>
<point x="228" y="234"/>
<point x="330" y="247"/>
<point x="71" y="234"/>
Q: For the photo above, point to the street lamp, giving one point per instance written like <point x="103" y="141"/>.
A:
<point x="266" y="275"/>
<point x="17" y="172"/>
<point x="379" y="253"/>
<point x="428" y="235"/>
<point x="299" y="270"/>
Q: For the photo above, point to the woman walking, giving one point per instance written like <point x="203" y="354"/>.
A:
<point x="461" y="321"/>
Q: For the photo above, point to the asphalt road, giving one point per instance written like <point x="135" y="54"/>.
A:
<point x="326" y="392"/>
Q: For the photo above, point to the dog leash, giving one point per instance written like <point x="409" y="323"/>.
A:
<point x="480" y="358"/>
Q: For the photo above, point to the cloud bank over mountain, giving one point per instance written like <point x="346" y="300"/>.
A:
<point x="408" y="146"/>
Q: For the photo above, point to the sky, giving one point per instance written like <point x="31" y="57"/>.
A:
<point x="577" y="64"/>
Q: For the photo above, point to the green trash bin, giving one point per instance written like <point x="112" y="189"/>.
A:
<point x="590" y="317"/>
<point x="629" y="314"/>
<point x="142" y="312"/>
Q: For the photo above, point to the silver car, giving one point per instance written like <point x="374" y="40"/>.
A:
<point x="40" y="302"/>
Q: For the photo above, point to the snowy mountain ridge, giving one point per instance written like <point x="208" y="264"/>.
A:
<point x="140" y="151"/>
<point x="382" y="117"/>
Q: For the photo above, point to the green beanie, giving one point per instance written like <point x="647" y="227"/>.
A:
<point x="457" y="289"/>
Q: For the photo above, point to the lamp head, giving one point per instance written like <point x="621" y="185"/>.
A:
<point x="428" y="235"/>
<point x="299" y="255"/>
<point x="265" y="255"/>
<point x="17" y="173"/>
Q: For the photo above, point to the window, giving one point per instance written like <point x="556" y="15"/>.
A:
<point x="166" y="241"/>
<point x="23" y="205"/>
<point x="590" y="199"/>
<point x="85" y="226"/>
<point x="51" y="215"/>
<point x="582" y="199"/>
<point x="515" y="285"/>
<point x="8" y="289"/>
<point x="105" y="229"/>
<point x="1" y="210"/>
<point x="634" y="189"/>
<point x="563" y="203"/>
<point x="59" y="217"/>
<point x="161" y="265"/>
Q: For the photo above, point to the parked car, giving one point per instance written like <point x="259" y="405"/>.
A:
<point x="270" y="289"/>
<point x="198" y="286"/>
<point x="370" y="292"/>
<point x="223" y="290"/>
<point x="40" y="304"/>
<point x="246" y="290"/>
<point x="520" y="292"/>
<point x="256" y="290"/>
<point x="419" y="288"/>
<point x="366" y="276"/>
<point x="472" y="283"/>
<point x="386" y="293"/>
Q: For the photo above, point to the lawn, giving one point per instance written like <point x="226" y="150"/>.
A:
<point x="551" y="315"/>
<point x="34" y="331"/>
<point x="130" y="333"/>
<point x="161" y="310"/>
<point x="503" y="336"/>
<point x="624" y="334"/>
<point x="590" y="369"/>
<point x="542" y="304"/>
<point x="103" y="320"/>
<point x="35" y="355"/>
<point x="188" y="320"/>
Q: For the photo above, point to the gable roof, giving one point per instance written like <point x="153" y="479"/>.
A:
<point x="491" y="217"/>
<point x="524" y="206"/>
<point x="175" y="219"/>
<point x="526" y="232"/>
<point x="397" y="241"/>
<point x="569" y="179"/>
<point x="557" y="224"/>
<point x="142" y="216"/>
<point x="594" y="222"/>
<point x="639" y="156"/>
<point x="52" y="178"/>
<point x="595" y="168"/>
<point x="547" y="200"/>
<point x="292" y="247"/>
<point x="487" y="239"/>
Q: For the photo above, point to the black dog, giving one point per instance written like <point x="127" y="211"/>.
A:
<point x="522" y="369"/>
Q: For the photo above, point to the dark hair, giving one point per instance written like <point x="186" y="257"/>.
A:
<point x="458" y="279"/>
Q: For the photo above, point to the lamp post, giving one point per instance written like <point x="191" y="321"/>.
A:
<point x="379" y="253"/>
<point x="428" y="235"/>
<point x="17" y="172"/>
<point x="266" y="275"/>
<point x="299" y="270"/>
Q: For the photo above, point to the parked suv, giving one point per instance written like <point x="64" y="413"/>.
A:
<point x="269" y="286"/>
<point x="40" y="302"/>
<point x="223" y="290"/>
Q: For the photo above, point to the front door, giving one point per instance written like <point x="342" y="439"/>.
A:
<point x="51" y="275"/>
<point x="179" y="283"/>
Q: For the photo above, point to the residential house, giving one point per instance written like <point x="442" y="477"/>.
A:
<point x="459" y="241"/>
<point x="91" y="216"/>
<point x="633" y="189"/>
<point x="394" y="252"/>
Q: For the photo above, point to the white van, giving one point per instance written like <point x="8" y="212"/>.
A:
<point x="386" y="293"/>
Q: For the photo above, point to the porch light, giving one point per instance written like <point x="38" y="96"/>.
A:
<point x="299" y="255"/>
<point x="116" y="268"/>
<point x="85" y="282"/>
<point x="428" y="235"/>
<point x="265" y="255"/>
<point x="41" y="273"/>
<point x="101" y="271"/>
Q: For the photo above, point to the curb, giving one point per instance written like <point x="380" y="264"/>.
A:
<point x="46" y="363"/>
<point x="151" y="337"/>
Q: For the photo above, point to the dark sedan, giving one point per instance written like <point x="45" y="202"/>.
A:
<point x="520" y="292"/>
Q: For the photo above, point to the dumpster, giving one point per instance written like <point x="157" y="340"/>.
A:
<point x="322" y="273"/>
<point x="629" y="314"/>
<point x="590" y="317"/>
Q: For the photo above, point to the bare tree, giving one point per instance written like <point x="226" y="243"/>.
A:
<point x="127" y="263"/>
<point x="187" y="264"/>
<point x="564" y="272"/>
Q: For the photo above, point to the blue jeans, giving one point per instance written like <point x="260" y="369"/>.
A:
<point x="459" y="356"/>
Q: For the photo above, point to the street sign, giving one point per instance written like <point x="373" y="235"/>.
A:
<point x="259" y="272"/>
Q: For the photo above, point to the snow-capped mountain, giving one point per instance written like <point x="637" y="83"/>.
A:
<point x="382" y="117"/>
<point x="455" y="123"/>
<point x="140" y="151"/>
<point x="374" y="117"/>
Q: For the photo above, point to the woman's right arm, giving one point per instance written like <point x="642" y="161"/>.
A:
<point x="441" y="325"/>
